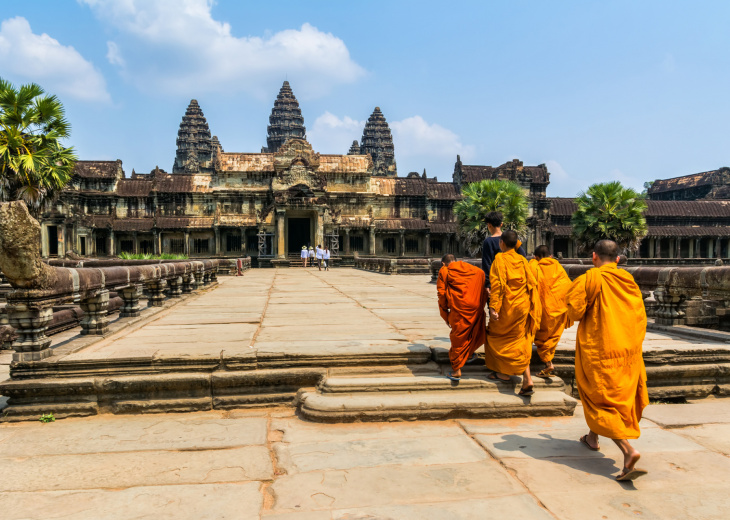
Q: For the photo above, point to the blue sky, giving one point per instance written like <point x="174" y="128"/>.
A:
<point x="598" y="91"/>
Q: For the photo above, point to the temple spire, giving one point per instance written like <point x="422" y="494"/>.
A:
<point x="286" y="120"/>
<point x="194" y="147"/>
<point x="354" y="149"/>
<point x="378" y="142"/>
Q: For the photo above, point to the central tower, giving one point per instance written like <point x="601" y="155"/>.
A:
<point x="285" y="121"/>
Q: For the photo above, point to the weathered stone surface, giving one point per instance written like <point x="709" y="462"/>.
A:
<point x="703" y="412"/>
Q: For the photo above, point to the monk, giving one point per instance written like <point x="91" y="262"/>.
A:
<point x="514" y="315"/>
<point x="609" y="366"/>
<point x="552" y="284"/>
<point x="462" y="298"/>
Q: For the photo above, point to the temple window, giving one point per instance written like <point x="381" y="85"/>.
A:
<point x="389" y="245"/>
<point x="411" y="245"/>
<point x="177" y="246"/>
<point x="357" y="244"/>
<point x="233" y="243"/>
<point x="437" y="247"/>
<point x="126" y="245"/>
<point x="200" y="245"/>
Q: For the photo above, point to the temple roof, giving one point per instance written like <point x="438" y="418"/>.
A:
<point x="98" y="169"/>
<point x="286" y="120"/>
<point x="249" y="162"/>
<point x="511" y="170"/>
<point x="378" y="142"/>
<point x="415" y="187"/>
<point x="563" y="206"/>
<point x="664" y="231"/>
<point x="684" y="182"/>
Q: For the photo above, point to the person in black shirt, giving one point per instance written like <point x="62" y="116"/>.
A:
<point x="490" y="247"/>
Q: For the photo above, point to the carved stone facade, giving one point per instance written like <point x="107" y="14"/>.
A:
<point x="270" y="204"/>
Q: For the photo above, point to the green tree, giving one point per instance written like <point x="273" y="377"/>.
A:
<point x="34" y="164"/>
<point x="609" y="211"/>
<point x="482" y="197"/>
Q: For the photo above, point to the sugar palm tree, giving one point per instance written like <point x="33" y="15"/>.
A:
<point x="482" y="197"/>
<point x="609" y="211"/>
<point x="34" y="165"/>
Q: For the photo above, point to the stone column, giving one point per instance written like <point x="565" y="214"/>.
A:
<point x="156" y="291"/>
<point x="280" y="238"/>
<point x="135" y="240"/>
<point x="679" y="248"/>
<point x="427" y="245"/>
<point x="402" y="243"/>
<point x="198" y="276"/>
<point x="188" y="281"/>
<point x="44" y="240"/>
<point x="698" y="247"/>
<point x="371" y="241"/>
<point x="186" y="243"/>
<point x="571" y="248"/>
<point x="658" y="247"/>
<point x="718" y="248"/>
<point x="217" y="247"/>
<point x="710" y="249"/>
<point x="30" y="321"/>
<point x="156" y="242"/>
<point x="691" y="248"/>
<point x="130" y="306"/>
<point x="111" y="242"/>
<point x="243" y="242"/>
<point x="95" y="321"/>
<point x="174" y="289"/>
<point x="206" y="278"/>
<point x="347" y="241"/>
<point x="320" y="229"/>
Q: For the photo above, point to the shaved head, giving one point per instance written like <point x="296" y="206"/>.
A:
<point x="448" y="258"/>
<point x="542" y="252"/>
<point x="509" y="238"/>
<point x="606" y="250"/>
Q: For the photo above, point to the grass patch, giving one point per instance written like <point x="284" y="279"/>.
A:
<point x="141" y="256"/>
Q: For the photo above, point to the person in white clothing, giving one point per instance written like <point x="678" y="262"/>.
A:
<point x="304" y="255"/>
<point x="326" y="259"/>
<point x="319" y="257"/>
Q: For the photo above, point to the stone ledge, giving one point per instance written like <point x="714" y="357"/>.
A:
<point x="339" y="385"/>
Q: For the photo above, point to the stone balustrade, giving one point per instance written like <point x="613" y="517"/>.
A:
<point x="393" y="265"/>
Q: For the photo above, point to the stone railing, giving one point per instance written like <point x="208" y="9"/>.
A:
<point x="393" y="265"/>
<point x="435" y="266"/>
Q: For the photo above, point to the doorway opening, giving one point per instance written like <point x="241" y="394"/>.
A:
<point x="299" y="234"/>
<point x="52" y="240"/>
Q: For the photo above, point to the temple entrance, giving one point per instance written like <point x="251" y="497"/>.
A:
<point x="299" y="234"/>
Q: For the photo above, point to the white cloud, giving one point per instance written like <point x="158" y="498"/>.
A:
<point x="330" y="134"/>
<point x="59" y="69"/>
<point x="556" y="170"/>
<point x="114" y="55"/>
<point x="416" y="137"/>
<point x="177" y="46"/>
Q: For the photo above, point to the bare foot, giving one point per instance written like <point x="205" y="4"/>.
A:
<point x="630" y="460"/>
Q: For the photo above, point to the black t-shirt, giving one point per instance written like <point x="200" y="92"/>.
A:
<point x="490" y="248"/>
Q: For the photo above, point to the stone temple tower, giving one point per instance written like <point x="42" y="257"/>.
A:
<point x="378" y="142"/>
<point x="285" y="121"/>
<point x="194" y="146"/>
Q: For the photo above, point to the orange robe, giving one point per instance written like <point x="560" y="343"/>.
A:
<point x="552" y="284"/>
<point x="515" y="298"/>
<point x="462" y="298"/>
<point x="609" y="366"/>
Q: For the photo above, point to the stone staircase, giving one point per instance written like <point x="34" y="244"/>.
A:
<point x="428" y="394"/>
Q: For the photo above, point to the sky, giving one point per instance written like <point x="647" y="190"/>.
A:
<point x="598" y="91"/>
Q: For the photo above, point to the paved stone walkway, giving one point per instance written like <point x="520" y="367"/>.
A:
<point x="271" y="465"/>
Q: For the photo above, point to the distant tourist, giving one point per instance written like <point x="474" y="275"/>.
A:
<point x="304" y="255"/>
<point x="552" y="284"/>
<point x="514" y="315"/>
<point x="318" y="253"/>
<point x="326" y="258"/>
<point x="609" y="367"/>
<point x="490" y="246"/>
<point x="311" y="256"/>
<point x="462" y="297"/>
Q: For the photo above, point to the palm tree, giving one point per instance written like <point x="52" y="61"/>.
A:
<point x="483" y="197"/>
<point x="609" y="211"/>
<point x="34" y="165"/>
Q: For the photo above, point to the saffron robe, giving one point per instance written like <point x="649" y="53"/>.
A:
<point x="462" y="297"/>
<point x="515" y="298"/>
<point x="552" y="285"/>
<point x="609" y="366"/>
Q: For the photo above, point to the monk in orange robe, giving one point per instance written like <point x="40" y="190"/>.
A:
<point x="609" y="366"/>
<point x="514" y="315"/>
<point x="552" y="284"/>
<point x="462" y="297"/>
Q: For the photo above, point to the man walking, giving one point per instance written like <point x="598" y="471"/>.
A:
<point x="490" y="246"/>
<point x="462" y="297"/>
<point x="609" y="366"/>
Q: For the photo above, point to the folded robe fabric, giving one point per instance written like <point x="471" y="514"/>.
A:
<point x="552" y="285"/>
<point x="515" y="298"/>
<point x="462" y="297"/>
<point x="609" y="366"/>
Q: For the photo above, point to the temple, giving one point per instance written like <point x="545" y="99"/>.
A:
<point x="270" y="204"/>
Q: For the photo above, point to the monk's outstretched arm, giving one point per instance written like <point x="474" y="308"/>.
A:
<point x="443" y="300"/>
<point x="577" y="299"/>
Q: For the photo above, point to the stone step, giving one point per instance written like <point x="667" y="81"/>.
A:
<point x="416" y="383"/>
<point x="427" y="405"/>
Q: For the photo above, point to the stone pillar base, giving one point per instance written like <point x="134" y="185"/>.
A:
<point x="30" y="322"/>
<point x="130" y="307"/>
<point x="174" y="287"/>
<point x="156" y="290"/>
<point x="95" y="321"/>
